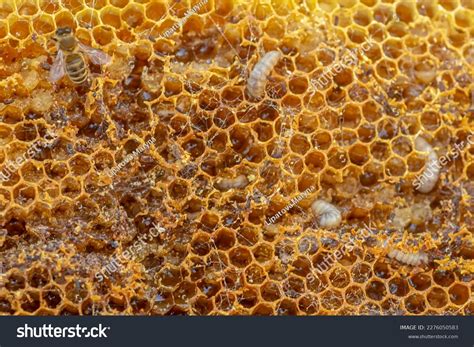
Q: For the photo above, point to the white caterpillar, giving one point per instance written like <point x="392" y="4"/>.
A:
<point x="425" y="183"/>
<point x="413" y="259"/>
<point x="260" y="72"/>
<point x="232" y="183"/>
<point x="329" y="216"/>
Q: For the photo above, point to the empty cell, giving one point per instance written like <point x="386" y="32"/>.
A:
<point x="248" y="298"/>
<point x="240" y="257"/>
<point x="359" y="154"/>
<point x="443" y="277"/>
<point x="255" y="274"/>
<point x="38" y="277"/>
<point x="43" y="24"/>
<point x="270" y="291"/>
<point x="315" y="161"/>
<point x="415" y="303"/>
<point x="354" y="295"/>
<point x="19" y="28"/>
<point x="331" y="299"/>
<point x="309" y="304"/>
<point x="437" y="297"/>
<point x="420" y="281"/>
<point x="133" y="15"/>
<point x="339" y="277"/>
<point x="30" y="301"/>
<point x="398" y="286"/>
<point x="361" y="272"/>
<point x="459" y="294"/>
<point x="224" y="239"/>
<point x="375" y="290"/>
<point x="111" y="16"/>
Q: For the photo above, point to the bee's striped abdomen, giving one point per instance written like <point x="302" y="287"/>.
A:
<point x="76" y="68"/>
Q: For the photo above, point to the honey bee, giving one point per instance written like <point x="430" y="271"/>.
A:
<point x="70" y="58"/>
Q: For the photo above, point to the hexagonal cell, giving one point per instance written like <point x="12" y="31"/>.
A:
<point x="202" y="305"/>
<point x="38" y="277"/>
<point x="103" y="35"/>
<point x="415" y="304"/>
<point x="375" y="290"/>
<point x="24" y="195"/>
<point x="117" y="302"/>
<point x="361" y="272"/>
<point x="443" y="278"/>
<point x="398" y="286"/>
<point x="354" y="295"/>
<point x="339" y="277"/>
<point x="52" y="296"/>
<point x="263" y="310"/>
<point x="437" y="297"/>
<point x="15" y="281"/>
<point x="331" y="299"/>
<point x="30" y="301"/>
<point x="240" y="257"/>
<point x="458" y="294"/>
<point x="71" y="187"/>
<point x="76" y="291"/>
<point x="19" y="28"/>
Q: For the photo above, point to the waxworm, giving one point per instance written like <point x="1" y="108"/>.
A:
<point x="261" y="71"/>
<point x="232" y="183"/>
<point x="329" y="216"/>
<point x="413" y="259"/>
<point x="430" y="175"/>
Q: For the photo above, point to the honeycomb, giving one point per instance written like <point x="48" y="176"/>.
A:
<point x="221" y="163"/>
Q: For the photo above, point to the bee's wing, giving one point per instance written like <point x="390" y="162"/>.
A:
<point x="58" y="68"/>
<point x="95" y="55"/>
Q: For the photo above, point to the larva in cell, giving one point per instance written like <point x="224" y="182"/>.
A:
<point x="427" y="181"/>
<point x="258" y="76"/>
<point x="232" y="183"/>
<point x="413" y="259"/>
<point x="328" y="214"/>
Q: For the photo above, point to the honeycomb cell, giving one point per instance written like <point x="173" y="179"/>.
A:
<point x="15" y="281"/>
<point x="103" y="35"/>
<point x="437" y="297"/>
<point x="375" y="290"/>
<point x="111" y="16"/>
<point x="52" y="296"/>
<point x="270" y="291"/>
<point x="133" y="15"/>
<point x="308" y="304"/>
<point x="331" y="300"/>
<point x="30" y="301"/>
<point x="339" y="278"/>
<point x="361" y="273"/>
<point x="443" y="278"/>
<point x="43" y="24"/>
<point x="458" y="294"/>
<point x="415" y="303"/>
<point x="38" y="277"/>
<point x="240" y="257"/>
<point x="399" y="287"/>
